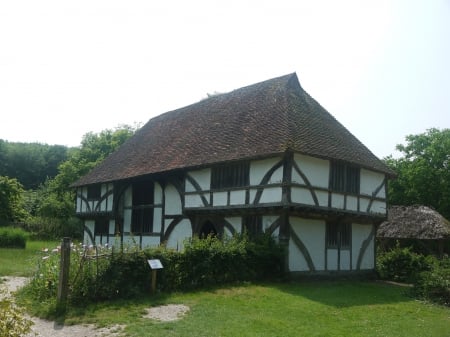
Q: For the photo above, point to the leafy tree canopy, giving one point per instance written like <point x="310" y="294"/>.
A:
<point x="423" y="171"/>
<point x="11" y="200"/>
<point x="56" y="198"/>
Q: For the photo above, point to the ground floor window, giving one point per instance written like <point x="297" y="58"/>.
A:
<point x="338" y="235"/>
<point x="101" y="227"/>
<point x="142" y="220"/>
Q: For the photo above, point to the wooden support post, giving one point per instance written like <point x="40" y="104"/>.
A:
<point x="63" y="285"/>
<point x="154" y="271"/>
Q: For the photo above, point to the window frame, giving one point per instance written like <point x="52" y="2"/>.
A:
<point x="345" y="178"/>
<point x="142" y="209"/>
<point x="230" y="175"/>
<point x="338" y="235"/>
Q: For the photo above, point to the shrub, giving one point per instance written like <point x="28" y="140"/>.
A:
<point x="402" y="265"/>
<point x="434" y="285"/>
<point x="103" y="273"/>
<point x="13" y="237"/>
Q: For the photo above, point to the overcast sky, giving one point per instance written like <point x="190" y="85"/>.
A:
<point x="382" y="68"/>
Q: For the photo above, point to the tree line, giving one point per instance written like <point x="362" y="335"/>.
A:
<point x="35" y="179"/>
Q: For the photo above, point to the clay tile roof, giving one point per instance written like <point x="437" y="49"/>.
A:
<point x="262" y="119"/>
<point x="414" y="222"/>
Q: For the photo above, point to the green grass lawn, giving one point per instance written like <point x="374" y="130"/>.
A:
<point x="294" y="309"/>
<point x="21" y="262"/>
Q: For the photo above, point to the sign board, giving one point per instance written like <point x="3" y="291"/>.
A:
<point x="155" y="264"/>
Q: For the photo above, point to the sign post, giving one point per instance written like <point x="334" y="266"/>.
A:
<point x="154" y="266"/>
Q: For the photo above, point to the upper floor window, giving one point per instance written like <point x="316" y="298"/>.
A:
<point x="93" y="192"/>
<point x="344" y="178"/>
<point x="230" y="175"/>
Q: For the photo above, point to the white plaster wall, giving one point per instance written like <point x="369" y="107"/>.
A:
<point x="352" y="203"/>
<point x="78" y="205"/>
<point x="193" y="200"/>
<point x="332" y="259"/>
<point x="271" y="194"/>
<point x="312" y="234"/>
<point x="220" y="198"/>
<point x="202" y="177"/>
<point x="363" y="203"/>
<point x="158" y="194"/>
<point x="268" y="220"/>
<point x="302" y="195"/>
<point x="157" y="219"/>
<point x="337" y="200"/>
<point x="236" y="223"/>
<point x="370" y="181"/>
<point x="150" y="241"/>
<point x="112" y="227"/>
<point x="172" y="204"/>
<point x="316" y="170"/>
<point x="296" y="260"/>
<point x="345" y="259"/>
<point x="296" y="178"/>
<point x="322" y="198"/>
<point x="237" y="197"/>
<point x="180" y="233"/>
<point x="126" y="220"/>
<point x="128" y="196"/>
<point x="260" y="167"/>
<point x="91" y="225"/>
<point x="378" y="207"/>
<point x="359" y="234"/>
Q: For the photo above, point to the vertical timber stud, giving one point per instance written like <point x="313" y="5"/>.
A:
<point x="63" y="285"/>
<point x="284" y="235"/>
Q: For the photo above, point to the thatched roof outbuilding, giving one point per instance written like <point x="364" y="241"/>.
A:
<point x="414" y="222"/>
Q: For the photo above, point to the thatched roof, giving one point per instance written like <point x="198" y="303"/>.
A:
<point x="414" y="222"/>
<point x="260" y="120"/>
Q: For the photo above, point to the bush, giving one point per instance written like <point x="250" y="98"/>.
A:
<point x="402" y="265"/>
<point x="434" y="285"/>
<point x="42" y="228"/>
<point x="103" y="273"/>
<point x="13" y="237"/>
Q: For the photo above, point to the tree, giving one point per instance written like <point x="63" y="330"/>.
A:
<point x="55" y="197"/>
<point x="423" y="171"/>
<point x="11" y="200"/>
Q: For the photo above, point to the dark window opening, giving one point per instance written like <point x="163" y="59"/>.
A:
<point x="142" y="214"/>
<point x="230" y="175"/>
<point x="101" y="227"/>
<point x="338" y="236"/>
<point x="208" y="229"/>
<point x="344" y="178"/>
<point x="93" y="192"/>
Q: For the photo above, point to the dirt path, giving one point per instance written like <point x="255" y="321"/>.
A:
<point x="43" y="328"/>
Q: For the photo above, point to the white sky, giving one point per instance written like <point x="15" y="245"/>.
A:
<point x="382" y="68"/>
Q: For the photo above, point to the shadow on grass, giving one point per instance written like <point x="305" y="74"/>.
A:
<point x="341" y="294"/>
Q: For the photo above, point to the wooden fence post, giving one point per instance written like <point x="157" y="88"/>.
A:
<point x="63" y="285"/>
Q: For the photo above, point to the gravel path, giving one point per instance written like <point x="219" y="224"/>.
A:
<point x="43" y="328"/>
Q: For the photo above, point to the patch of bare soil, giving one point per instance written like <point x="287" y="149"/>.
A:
<point x="167" y="313"/>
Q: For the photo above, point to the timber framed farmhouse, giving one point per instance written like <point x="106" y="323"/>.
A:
<point x="262" y="158"/>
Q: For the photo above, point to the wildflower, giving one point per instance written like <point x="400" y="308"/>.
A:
<point x="45" y="250"/>
<point x="45" y="257"/>
<point x="56" y="250"/>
